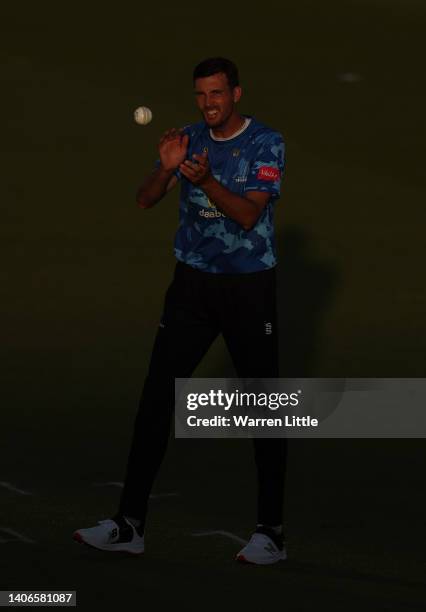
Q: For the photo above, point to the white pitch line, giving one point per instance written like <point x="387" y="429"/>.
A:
<point x="226" y="534"/>
<point x="10" y="487"/>
<point x="113" y="483"/>
<point x="16" y="536"/>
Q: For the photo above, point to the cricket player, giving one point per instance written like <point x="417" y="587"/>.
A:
<point x="229" y="167"/>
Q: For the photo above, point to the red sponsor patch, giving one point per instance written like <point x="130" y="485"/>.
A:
<point x="268" y="173"/>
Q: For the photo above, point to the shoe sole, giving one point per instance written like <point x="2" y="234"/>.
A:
<point x="78" y="538"/>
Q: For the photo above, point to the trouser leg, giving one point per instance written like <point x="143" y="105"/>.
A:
<point x="184" y="336"/>
<point x="251" y="335"/>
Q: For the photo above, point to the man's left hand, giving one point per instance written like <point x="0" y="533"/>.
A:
<point x="197" y="172"/>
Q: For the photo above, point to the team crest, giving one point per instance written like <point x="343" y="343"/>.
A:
<point x="235" y="152"/>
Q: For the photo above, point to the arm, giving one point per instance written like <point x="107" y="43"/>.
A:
<point x="172" y="147"/>
<point x="155" y="186"/>
<point x="244" y="210"/>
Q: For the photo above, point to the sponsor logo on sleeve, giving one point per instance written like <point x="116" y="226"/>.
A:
<point x="268" y="173"/>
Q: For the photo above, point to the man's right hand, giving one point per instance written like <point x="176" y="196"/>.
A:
<point x="173" y="147"/>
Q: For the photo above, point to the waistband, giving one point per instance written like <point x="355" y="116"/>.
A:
<point x="188" y="271"/>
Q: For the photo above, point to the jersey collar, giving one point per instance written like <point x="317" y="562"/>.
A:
<point x="245" y="125"/>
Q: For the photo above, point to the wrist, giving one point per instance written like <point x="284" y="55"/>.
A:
<point x="165" y="170"/>
<point x="208" y="181"/>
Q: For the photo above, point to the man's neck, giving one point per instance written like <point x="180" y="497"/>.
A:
<point x="232" y="126"/>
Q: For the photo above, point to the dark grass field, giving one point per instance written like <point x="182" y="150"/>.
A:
<point x="84" y="274"/>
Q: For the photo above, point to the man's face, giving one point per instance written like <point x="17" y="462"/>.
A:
<point x="215" y="99"/>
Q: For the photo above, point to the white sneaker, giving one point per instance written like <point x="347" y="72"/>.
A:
<point x="262" y="549"/>
<point x="116" y="534"/>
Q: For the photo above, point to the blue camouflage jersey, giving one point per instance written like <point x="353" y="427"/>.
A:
<point x="206" y="239"/>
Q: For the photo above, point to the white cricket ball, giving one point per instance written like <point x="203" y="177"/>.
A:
<point x="143" y="115"/>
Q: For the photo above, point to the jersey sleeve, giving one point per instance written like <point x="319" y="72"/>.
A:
<point x="267" y="166"/>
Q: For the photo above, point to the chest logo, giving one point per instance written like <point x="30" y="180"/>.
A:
<point x="211" y="214"/>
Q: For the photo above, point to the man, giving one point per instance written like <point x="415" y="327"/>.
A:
<point x="229" y="167"/>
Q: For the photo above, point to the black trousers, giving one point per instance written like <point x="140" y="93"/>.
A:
<point x="199" y="306"/>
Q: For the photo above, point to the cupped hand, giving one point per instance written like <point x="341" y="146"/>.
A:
<point x="173" y="146"/>
<point x="197" y="172"/>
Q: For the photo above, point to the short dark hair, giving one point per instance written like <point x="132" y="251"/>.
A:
<point x="213" y="65"/>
